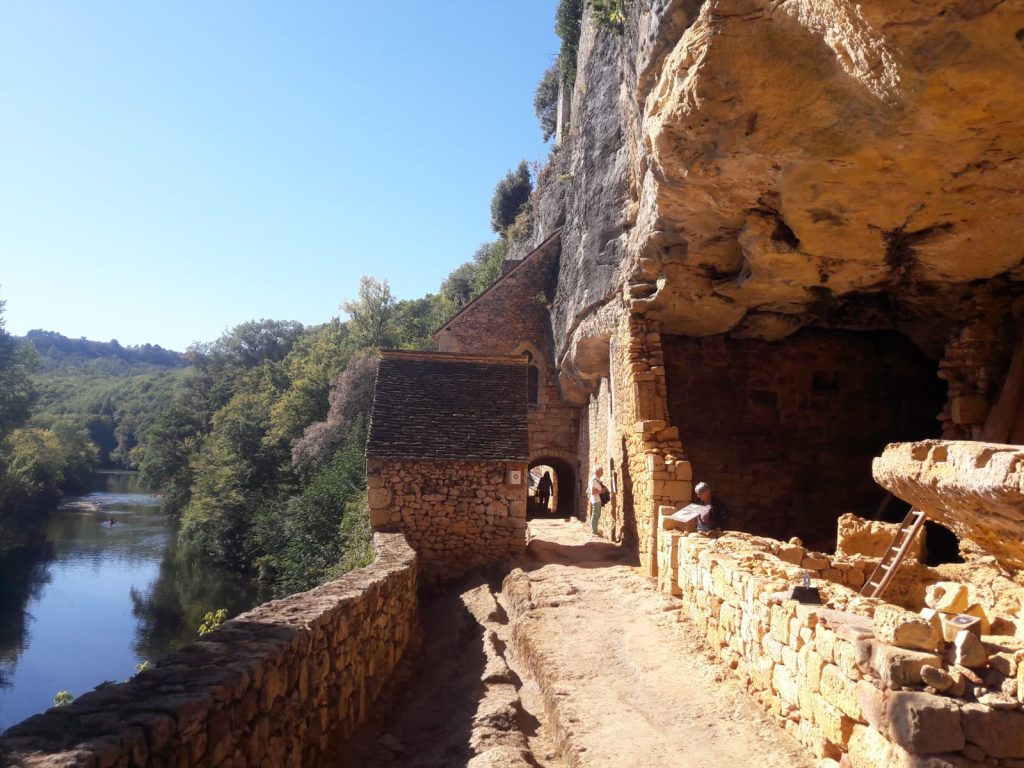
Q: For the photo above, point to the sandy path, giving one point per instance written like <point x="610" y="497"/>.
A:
<point x="624" y="682"/>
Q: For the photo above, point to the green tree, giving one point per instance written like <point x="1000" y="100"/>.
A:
<point x="510" y="195"/>
<point x="545" y="100"/>
<point x="16" y="391"/>
<point x="372" y="316"/>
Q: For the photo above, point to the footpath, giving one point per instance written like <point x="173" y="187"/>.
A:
<point x="573" y="660"/>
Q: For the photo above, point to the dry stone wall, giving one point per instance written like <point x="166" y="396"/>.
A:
<point x="286" y="684"/>
<point x="826" y="675"/>
<point x="459" y="516"/>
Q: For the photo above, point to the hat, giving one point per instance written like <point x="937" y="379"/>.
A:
<point x="701" y="487"/>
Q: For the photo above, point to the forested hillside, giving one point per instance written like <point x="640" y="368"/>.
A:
<point x="109" y="391"/>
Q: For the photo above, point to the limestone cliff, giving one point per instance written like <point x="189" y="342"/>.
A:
<point x="751" y="167"/>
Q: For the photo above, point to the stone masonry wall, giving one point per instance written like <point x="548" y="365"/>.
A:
<point x="650" y="468"/>
<point x="824" y="674"/>
<point x="785" y="431"/>
<point x="285" y="684"/>
<point x="459" y="516"/>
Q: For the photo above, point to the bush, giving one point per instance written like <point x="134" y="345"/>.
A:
<point x="567" y="27"/>
<point x="545" y="101"/>
<point x="510" y="196"/>
<point x="610" y="15"/>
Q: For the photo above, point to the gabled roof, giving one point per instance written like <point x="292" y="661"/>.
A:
<point x="540" y="251"/>
<point x="432" y="405"/>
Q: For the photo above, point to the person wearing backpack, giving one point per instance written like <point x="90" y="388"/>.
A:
<point x="599" y="496"/>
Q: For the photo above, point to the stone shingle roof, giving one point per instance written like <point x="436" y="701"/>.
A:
<point x="444" y="406"/>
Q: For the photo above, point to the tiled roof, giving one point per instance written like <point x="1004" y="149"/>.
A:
<point x="552" y="244"/>
<point x="444" y="406"/>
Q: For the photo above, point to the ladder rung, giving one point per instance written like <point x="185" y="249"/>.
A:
<point x="885" y="567"/>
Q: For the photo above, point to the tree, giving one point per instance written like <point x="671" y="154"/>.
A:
<point x="510" y="195"/>
<point x="16" y="391"/>
<point x="372" y="314"/>
<point x="545" y="100"/>
<point x="351" y="398"/>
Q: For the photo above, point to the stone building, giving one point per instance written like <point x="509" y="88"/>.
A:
<point x="446" y="457"/>
<point x="511" y="318"/>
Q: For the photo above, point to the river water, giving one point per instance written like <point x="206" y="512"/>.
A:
<point x="109" y="589"/>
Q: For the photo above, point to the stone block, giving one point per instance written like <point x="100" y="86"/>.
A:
<point x="898" y="626"/>
<point x="897" y="667"/>
<point x="789" y="553"/>
<point x="937" y="677"/>
<point x="840" y="691"/>
<point x="999" y="733"/>
<point x="946" y="596"/>
<point x="868" y="748"/>
<point x="924" y="724"/>
<point x="969" y="409"/>
<point x="967" y="651"/>
<point x="871" y="700"/>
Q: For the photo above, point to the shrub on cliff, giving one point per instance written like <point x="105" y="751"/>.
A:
<point x="511" y="194"/>
<point x="545" y="101"/>
<point x="567" y="27"/>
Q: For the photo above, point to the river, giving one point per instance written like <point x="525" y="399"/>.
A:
<point x="108" y="590"/>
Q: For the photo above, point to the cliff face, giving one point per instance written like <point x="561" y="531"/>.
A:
<point x="751" y="167"/>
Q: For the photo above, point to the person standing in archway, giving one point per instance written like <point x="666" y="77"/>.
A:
<point x="544" y="490"/>
<point x="599" y="496"/>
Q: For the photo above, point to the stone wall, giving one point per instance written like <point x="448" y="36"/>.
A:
<point x="824" y="674"/>
<point x="627" y="425"/>
<point x="286" y="684"/>
<point x="459" y="516"/>
<point x="785" y="431"/>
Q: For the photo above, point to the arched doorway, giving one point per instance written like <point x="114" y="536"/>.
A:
<point x="563" y="496"/>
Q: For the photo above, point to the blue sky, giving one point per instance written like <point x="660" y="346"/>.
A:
<point x="169" y="170"/>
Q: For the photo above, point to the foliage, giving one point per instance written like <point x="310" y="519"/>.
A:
<point x="568" y="16"/>
<point x="146" y="665"/>
<point x="545" y="101"/>
<point x="63" y="698"/>
<point x="351" y="397"/>
<point x="372" y="315"/>
<point x="324" y="530"/>
<point x="510" y="195"/>
<point x="610" y="15"/>
<point x="16" y="391"/>
<point x="211" y="621"/>
<point x="57" y="351"/>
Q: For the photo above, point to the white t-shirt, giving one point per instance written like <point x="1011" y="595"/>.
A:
<point x="595" y="489"/>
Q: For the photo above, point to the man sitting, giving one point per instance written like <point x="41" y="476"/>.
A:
<point x="716" y="516"/>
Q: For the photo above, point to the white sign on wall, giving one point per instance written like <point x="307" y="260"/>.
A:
<point x="515" y="477"/>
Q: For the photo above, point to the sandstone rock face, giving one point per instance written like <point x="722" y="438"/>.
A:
<point x="975" y="489"/>
<point x="752" y="167"/>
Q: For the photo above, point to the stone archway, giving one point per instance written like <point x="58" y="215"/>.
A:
<point x="565" y="481"/>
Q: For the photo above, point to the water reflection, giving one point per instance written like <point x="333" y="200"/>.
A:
<point x="108" y="589"/>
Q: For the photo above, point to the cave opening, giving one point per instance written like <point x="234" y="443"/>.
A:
<point x="785" y="431"/>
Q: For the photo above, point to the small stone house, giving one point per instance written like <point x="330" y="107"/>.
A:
<point x="447" y="456"/>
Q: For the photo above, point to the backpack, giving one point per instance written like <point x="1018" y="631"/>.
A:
<point x="605" y="495"/>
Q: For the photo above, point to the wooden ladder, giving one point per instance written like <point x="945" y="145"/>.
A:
<point x="882" y="575"/>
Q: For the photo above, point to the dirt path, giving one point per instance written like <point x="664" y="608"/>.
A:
<point x="624" y="682"/>
<point x="579" y="662"/>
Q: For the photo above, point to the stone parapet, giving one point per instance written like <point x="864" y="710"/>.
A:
<point x="285" y="684"/>
<point x="823" y="674"/>
<point x="975" y="489"/>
